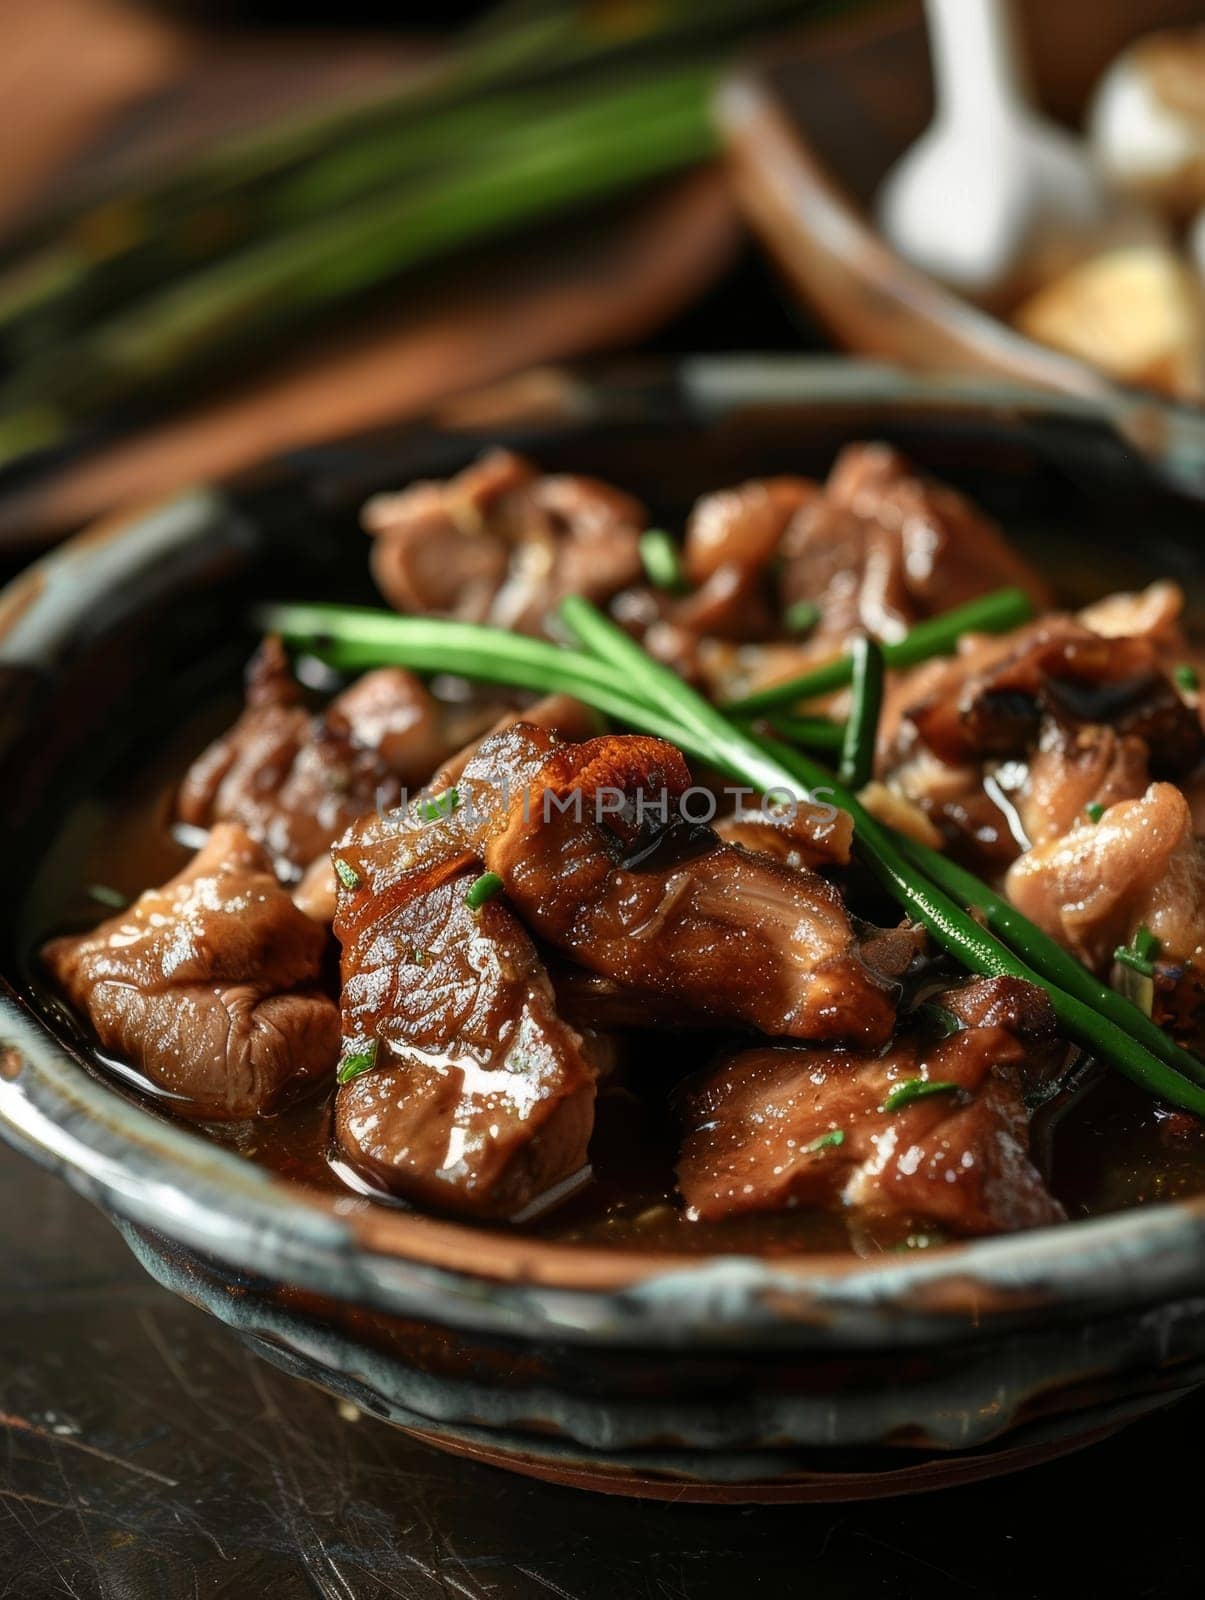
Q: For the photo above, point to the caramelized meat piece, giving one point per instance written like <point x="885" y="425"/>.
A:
<point x="773" y="1129"/>
<point x="1139" y="865"/>
<point x="802" y="836"/>
<point x="500" y="543"/>
<point x="297" y="781"/>
<point x="732" y="537"/>
<point x="480" y="1098"/>
<point x="991" y="700"/>
<point x="317" y="892"/>
<point x="1005" y="744"/>
<point x="210" y="985"/>
<point x="657" y="903"/>
<point x="741" y="527"/>
<point x="882" y="548"/>
<point x="560" y="714"/>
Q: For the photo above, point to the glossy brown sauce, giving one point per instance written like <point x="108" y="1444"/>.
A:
<point x="1107" y="1148"/>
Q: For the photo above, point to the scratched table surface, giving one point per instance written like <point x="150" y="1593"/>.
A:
<point x="149" y="1456"/>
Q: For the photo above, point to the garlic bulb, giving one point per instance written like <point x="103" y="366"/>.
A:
<point x="1146" y="123"/>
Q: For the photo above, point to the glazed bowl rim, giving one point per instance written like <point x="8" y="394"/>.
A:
<point x="169" y="1178"/>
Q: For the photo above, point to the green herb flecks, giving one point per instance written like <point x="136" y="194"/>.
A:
<point x="346" y="873"/>
<point x="801" y="617"/>
<point x="352" y="1066"/>
<point x="440" y="807"/>
<point x="662" y="561"/>
<point x="916" y="1089"/>
<point x="482" y="889"/>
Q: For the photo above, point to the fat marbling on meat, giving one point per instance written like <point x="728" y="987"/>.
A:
<point x="210" y="985"/>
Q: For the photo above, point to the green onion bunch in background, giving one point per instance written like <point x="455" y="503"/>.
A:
<point x="114" y="307"/>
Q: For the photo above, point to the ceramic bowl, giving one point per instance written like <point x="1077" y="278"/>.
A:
<point x="676" y="1376"/>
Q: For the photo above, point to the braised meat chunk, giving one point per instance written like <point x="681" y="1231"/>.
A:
<point x="296" y="781"/>
<point x="1011" y="742"/>
<point x="475" y="1096"/>
<point x="931" y="1131"/>
<point x="658" y="903"/>
<point x="882" y="548"/>
<point x="317" y="892"/>
<point x="210" y="986"/>
<point x="501" y="543"/>
<point x="1139" y="865"/>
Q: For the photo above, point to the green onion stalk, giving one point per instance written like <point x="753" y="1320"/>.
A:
<point x="997" y="612"/>
<point x="255" y="296"/>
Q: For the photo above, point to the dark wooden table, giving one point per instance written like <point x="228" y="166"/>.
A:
<point x="149" y="1456"/>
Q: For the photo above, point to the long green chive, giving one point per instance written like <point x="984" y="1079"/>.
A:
<point x="801" y="617"/>
<point x="354" y="638"/>
<point x="352" y="1066"/>
<point x="936" y="636"/>
<point x="862" y="729"/>
<point x="1141" y="953"/>
<point x="662" y="562"/>
<point x="1094" y="810"/>
<point x="482" y="889"/>
<point x="439" y="808"/>
<point x="916" y="1089"/>
<point x="832" y="1139"/>
<point x="346" y="873"/>
<point x="1187" y="677"/>
<point x="814" y="733"/>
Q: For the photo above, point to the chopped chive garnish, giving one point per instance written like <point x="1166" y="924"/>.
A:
<point x="107" y="896"/>
<point x="352" y="1066"/>
<point x="440" y="807"/>
<point x="662" y="563"/>
<point x="916" y="1089"/>
<point x="482" y="889"/>
<point x="801" y="617"/>
<point x="1187" y="676"/>
<point x="1095" y="810"/>
<point x="1141" y="953"/>
<point x="346" y="873"/>
<point x="831" y="1139"/>
<point x="861" y="731"/>
<point x="419" y="956"/>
